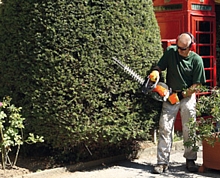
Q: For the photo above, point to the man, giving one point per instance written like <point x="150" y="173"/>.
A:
<point x="185" y="72"/>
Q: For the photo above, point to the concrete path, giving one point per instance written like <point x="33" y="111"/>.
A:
<point x="139" y="168"/>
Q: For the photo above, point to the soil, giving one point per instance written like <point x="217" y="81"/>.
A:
<point x="27" y="166"/>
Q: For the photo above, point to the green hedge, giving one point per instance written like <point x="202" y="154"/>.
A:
<point x="55" y="62"/>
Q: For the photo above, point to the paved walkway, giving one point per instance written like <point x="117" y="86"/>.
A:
<point x="139" y="168"/>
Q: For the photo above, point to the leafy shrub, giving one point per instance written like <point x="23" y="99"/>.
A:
<point x="208" y="119"/>
<point x="11" y="131"/>
<point x="56" y="64"/>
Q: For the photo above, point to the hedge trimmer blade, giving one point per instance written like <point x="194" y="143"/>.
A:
<point x="158" y="90"/>
<point x="129" y="71"/>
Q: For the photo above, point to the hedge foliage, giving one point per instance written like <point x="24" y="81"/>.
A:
<point x="55" y="62"/>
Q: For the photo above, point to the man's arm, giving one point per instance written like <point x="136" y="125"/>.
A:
<point x="189" y="91"/>
<point x="157" y="68"/>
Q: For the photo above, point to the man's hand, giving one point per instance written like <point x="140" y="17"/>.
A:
<point x="189" y="91"/>
<point x="175" y="98"/>
<point x="154" y="75"/>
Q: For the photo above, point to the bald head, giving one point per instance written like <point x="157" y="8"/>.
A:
<point x="185" y="39"/>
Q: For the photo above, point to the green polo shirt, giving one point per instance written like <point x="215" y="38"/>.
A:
<point x="182" y="72"/>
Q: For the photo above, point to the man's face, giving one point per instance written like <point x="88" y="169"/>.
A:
<point x="183" y="50"/>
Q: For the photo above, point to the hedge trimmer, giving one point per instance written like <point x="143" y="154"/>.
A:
<point x="157" y="90"/>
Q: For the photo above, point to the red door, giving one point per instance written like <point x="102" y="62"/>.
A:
<point x="204" y="30"/>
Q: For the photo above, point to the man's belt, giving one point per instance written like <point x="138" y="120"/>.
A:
<point x="177" y="91"/>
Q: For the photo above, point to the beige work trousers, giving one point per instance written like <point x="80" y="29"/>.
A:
<point x="187" y="107"/>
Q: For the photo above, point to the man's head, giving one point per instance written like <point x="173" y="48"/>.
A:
<point x="184" y="42"/>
